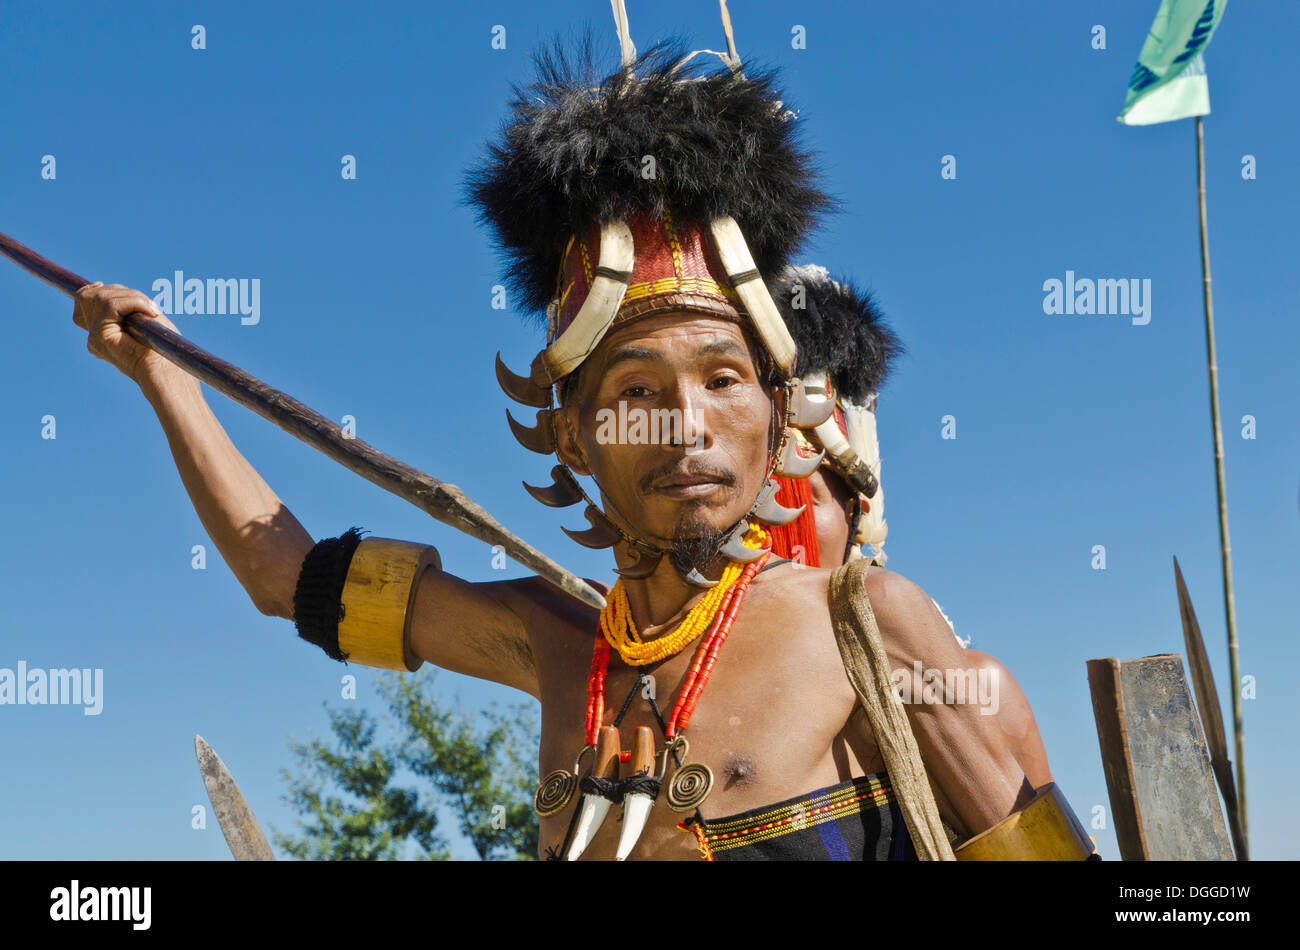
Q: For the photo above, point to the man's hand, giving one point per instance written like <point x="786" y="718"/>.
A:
<point x="99" y="310"/>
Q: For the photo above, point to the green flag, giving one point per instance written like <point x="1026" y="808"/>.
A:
<point x="1169" y="80"/>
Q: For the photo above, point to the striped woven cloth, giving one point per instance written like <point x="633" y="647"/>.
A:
<point x="857" y="820"/>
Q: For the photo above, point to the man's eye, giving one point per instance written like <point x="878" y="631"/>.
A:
<point x="722" y="382"/>
<point x="634" y="392"/>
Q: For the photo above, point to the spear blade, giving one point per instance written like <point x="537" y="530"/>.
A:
<point x="243" y="833"/>
<point x="1207" y="702"/>
<point x="441" y="500"/>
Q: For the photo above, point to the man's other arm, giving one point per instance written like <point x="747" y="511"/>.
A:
<point x="1015" y="718"/>
<point x="972" y="765"/>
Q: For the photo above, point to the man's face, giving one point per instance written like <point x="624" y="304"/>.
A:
<point x="684" y="378"/>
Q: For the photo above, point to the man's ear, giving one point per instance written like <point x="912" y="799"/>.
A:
<point x="570" y="453"/>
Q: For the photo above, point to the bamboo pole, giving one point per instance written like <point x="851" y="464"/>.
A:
<point x="1225" y="545"/>
<point x="441" y="500"/>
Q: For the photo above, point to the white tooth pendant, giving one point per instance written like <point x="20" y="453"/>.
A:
<point x="595" y="806"/>
<point x="637" y="804"/>
<point x="767" y="509"/>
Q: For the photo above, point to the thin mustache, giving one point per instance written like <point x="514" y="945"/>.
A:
<point x="722" y="475"/>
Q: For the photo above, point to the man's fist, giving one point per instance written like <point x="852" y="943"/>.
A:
<point x="99" y="310"/>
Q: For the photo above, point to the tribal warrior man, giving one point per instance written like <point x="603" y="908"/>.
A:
<point x="642" y="212"/>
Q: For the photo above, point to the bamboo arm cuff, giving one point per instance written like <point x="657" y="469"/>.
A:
<point x="358" y="596"/>
<point x="1046" y="829"/>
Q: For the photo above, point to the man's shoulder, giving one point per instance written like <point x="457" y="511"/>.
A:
<point x="890" y="592"/>
<point x="908" y="620"/>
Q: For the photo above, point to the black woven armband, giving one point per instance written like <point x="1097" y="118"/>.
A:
<point x="318" y="598"/>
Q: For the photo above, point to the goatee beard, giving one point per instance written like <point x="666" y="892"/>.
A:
<point x="694" y="546"/>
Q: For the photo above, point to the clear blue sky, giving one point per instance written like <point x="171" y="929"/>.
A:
<point x="1072" y="431"/>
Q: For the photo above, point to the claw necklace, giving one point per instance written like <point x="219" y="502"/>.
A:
<point x="691" y="783"/>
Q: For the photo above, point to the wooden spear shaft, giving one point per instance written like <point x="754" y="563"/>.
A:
<point x="1225" y="546"/>
<point x="441" y="500"/>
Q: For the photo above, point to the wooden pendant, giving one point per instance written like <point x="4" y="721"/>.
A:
<point x="637" y="805"/>
<point x="596" y="807"/>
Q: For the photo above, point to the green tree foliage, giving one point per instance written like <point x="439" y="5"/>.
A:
<point x="478" y="770"/>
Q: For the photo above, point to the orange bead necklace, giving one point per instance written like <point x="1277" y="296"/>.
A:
<point x="701" y="667"/>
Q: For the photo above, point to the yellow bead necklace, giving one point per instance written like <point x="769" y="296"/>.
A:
<point x="620" y="630"/>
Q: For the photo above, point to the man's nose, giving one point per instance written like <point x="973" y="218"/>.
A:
<point x="688" y="420"/>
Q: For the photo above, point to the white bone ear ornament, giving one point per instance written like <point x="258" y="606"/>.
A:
<point x="812" y="399"/>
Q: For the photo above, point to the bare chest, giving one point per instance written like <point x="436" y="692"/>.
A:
<point x="776" y="719"/>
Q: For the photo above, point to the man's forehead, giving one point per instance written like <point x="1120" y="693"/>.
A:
<point x="701" y="334"/>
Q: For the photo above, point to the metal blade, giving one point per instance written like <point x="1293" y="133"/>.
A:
<point x="441" y="500"/>
<point x="243" y="833"/>
<point x="1207" y="702"/>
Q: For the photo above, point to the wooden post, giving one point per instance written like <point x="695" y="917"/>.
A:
<point x="1162" y="794"/>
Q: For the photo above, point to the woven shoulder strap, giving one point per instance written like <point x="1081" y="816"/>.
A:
<point x="867" y="666"/>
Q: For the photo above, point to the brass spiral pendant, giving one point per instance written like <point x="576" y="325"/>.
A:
<point x="689" y="787"/>
<point x="555" y="792"/>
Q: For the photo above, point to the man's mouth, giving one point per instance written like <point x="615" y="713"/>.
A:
<point x="688" y="486"/>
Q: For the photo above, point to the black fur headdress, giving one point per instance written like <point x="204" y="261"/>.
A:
<point x="839" y="328"/>
<point x="574" y="148"/>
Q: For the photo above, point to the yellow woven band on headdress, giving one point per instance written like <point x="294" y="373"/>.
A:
<point x="378" y="599"/>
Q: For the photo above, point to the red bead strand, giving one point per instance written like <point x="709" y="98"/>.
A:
<point x="701" y="665"/>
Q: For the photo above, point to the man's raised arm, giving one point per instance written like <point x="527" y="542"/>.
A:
<point x="257" y="535"/>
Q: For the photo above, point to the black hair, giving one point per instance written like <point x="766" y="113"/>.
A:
<point x="837" y="327"/>
<point x="572" y="149"/>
